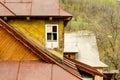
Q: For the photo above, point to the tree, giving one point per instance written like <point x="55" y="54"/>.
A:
<point x="108" y="34"/>
<point x="104" y="20"/>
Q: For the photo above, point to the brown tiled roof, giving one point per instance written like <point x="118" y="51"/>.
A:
<point x="31" y="8"/>
<point x="71" y="66"/>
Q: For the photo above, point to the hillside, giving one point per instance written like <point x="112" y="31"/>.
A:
<point x="103" y="18"/>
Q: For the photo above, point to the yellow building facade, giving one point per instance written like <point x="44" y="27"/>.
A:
<point x="35" y="30"/>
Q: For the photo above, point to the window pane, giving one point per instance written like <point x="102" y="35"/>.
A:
<point x="54" y="29"/>
<point x="49" y="36"/>
<point x="49" y="29"/>
<point x="54" y="36"/>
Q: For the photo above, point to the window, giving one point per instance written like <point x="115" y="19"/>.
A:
<point x="52" y="36"/>
<point x="51" y="33"/>
<point x="70" y="55"/>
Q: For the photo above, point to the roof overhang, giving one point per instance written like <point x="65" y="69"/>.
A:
<point x="32" y="8"/>
<point x="86" y="68"/>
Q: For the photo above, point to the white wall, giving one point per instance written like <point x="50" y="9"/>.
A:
<point x="86" y="46"/>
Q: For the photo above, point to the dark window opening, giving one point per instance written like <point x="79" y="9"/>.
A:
<point x="85" y="74"/>
<point x="69" y="56"/>
<point x="54" y="36"/>
<point x="54" y="28"/>
<point x="49" y="37"/>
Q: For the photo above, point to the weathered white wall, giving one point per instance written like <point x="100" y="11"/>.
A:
<point x="86" y="46"/>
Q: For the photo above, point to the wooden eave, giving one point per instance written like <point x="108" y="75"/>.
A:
<point x="85" y="67"/>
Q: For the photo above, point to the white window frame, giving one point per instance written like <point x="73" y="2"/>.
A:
<point x="52" y="41"/>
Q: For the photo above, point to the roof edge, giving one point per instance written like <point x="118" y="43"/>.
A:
<point x="86" y="68"/>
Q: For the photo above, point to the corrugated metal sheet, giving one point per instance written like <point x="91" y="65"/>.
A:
<point x="60" y="74"/>
<point x="33" y="8"/>
<point x="8" y="70"/>
<point x="32" y="70"/>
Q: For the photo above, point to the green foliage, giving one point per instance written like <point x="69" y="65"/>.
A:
<point x="108" y="1"/>
<point x="103" y="18"/>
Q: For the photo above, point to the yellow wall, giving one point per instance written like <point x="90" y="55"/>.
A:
<point x="35" y="30"/>
<point x="12" y="49"/>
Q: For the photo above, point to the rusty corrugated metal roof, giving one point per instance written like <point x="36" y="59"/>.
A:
<point x="32" y="8"/>
<point x="32" y="70"/>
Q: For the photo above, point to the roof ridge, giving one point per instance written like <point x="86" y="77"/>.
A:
<point x="8" y="8"/>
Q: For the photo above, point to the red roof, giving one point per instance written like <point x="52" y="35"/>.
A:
<point x="32" y="70"/>
<point x="31" y="8"/>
